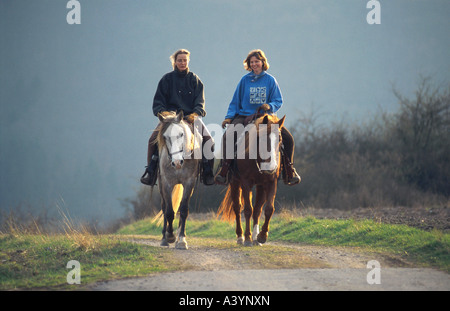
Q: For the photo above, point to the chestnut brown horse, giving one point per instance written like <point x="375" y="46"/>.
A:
<point x="261" y="171"/>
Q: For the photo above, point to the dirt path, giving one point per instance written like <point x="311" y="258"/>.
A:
<point x="217" y="265"/>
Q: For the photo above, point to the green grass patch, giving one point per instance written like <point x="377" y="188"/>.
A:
<point x="429" y="248"/>
<point x="415" y="245"/>
<point x="39" y="261"/>
<point x="211" y="228"/>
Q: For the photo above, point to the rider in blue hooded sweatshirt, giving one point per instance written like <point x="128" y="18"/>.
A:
<point x="252" y="92"/>
<point x="257" y="89"/>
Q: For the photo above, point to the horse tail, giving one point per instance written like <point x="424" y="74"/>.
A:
<point x="226" y="211"/>
<point x="177" y="195"/>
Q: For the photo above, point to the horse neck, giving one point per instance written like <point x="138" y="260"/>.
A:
<point x="188" y="136"/>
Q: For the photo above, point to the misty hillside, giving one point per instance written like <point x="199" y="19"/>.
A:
<point x="75" y="100"/>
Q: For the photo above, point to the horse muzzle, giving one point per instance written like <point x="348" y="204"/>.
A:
<point x="177" y="164"/>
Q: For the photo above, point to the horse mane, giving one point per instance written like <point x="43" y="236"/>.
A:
<point x="161" y="128"/>
<point x="266" y="119"/>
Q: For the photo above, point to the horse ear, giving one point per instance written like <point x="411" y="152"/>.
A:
<point x="161" y="117"/>
<point x="180" y="116"/>
<point x="265" y="119"/>
<point x="281" y="122"/>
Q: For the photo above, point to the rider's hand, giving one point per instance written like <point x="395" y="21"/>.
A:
<point x="165" y="113"/>
<point x="191" y="117"/>
<point x="265" y="107"/>
<point x="225" y="122"/>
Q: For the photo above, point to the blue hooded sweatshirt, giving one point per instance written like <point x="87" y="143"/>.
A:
<point x="253" y="91"/>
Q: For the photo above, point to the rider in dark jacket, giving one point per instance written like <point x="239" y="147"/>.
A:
<point x="179" y="90"/>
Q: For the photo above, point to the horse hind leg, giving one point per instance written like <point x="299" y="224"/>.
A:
<point x="236" y="205"/>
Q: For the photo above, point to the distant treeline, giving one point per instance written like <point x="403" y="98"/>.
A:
<point x="397" y="159"/>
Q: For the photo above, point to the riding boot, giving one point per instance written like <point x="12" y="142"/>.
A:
<point x="292" y="176"/>
<point x="207" y="172"/>
<point x="150" y="175"/>
<point x="222" y="175"/>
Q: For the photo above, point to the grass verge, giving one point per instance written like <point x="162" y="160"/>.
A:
<point x="39" y="261"/>
<point x="415" y="245"/>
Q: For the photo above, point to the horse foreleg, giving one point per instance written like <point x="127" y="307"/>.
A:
<point x="184" y="213"/>
<point x="181" y="232"/>
<point x="169" y="215"/>
<point x="259" y="203"/>
<point x="268" y="212"/>
<point x="163" y="209"/>
<point x="170" y="237"/>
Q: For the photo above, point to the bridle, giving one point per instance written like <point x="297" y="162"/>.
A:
<point x="171" y="154"/>
<point x="265" y="172"/>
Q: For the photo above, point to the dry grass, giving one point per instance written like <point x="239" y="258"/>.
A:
<point x="80" y="235"/>
<point x="18" y="224"/>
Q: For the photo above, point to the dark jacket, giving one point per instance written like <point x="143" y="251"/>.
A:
<point x="180" y="91"/>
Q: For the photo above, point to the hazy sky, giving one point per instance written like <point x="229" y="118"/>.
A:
<point x="76" y="99"/>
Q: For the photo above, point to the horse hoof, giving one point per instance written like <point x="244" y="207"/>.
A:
<point x="170" y="237"/>
<point x="256" y="243"/>
<point x="181" y="245"/>
<point x="240" y="241"/>
<point x="248" y="243"/>
<point x="262" y="238"/>
<point x="164" y="242"/>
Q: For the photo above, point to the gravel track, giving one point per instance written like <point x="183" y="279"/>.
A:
<point x="208" y="267"/>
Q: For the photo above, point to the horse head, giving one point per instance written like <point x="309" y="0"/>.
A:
<point x="175" y="136"/>
<point x="269" y="139"/>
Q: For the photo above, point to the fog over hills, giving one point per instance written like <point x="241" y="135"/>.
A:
<point x="75" y="112"/>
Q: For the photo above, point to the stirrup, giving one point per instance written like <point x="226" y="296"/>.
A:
<point x="149" y="179"/>
<point x="219" y="178"/>
<point x="222" y="180"/>
<point x="207" y="177"/>
<point x="294" y="179"/>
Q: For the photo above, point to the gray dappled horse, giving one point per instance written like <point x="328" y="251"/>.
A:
<point x="178" y="173"/>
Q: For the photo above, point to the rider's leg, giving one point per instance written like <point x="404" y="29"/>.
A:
<point x="222" y="172"/>
<point x="149" y="177"/>
<point x="288" y="147"/>
<point x="207" y="164"/>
